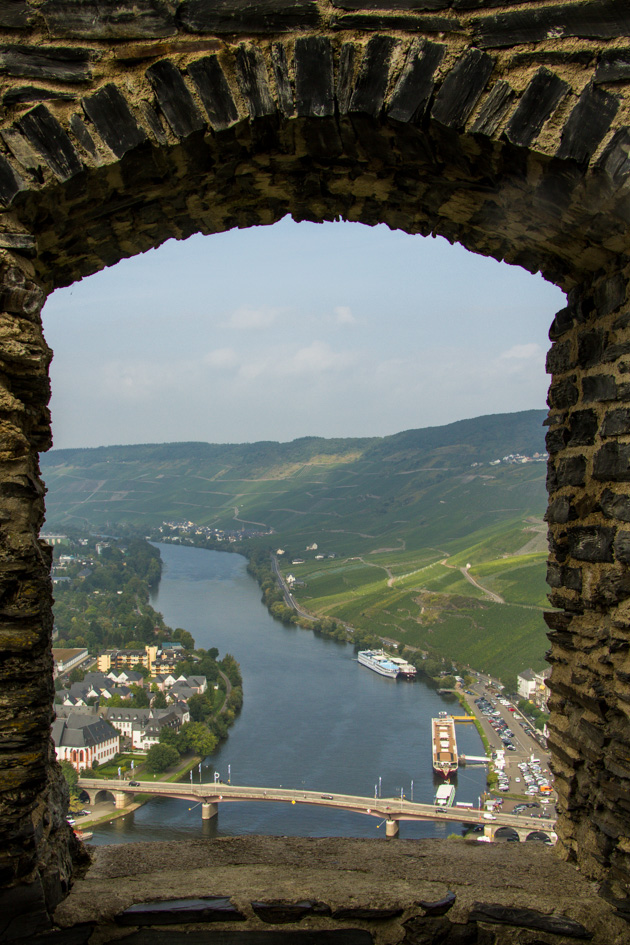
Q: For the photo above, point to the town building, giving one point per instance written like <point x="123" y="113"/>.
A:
<point x="84" y="738"/>
<point x="66" y="658"/>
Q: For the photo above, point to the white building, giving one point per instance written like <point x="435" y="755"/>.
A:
<point x="83" y="739"/>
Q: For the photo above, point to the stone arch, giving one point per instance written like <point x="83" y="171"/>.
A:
<point x="538" y="835"/>
<point x="504" y="129"/>
<point x="506" y="833"/>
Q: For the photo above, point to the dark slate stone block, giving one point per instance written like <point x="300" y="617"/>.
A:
<point x="590" y="347"/>
<point x="615" y="506"/>
<point x="540" y="99"/>
<point x="283" y="82"/>
<point x="587" y="124"/>
<point x="553" y="57"/>
<point x="48" y="138"/>
<point x="571" y="472"/>
<point x="613" y="67"/>
<point x="279" y="912"/>
<point x="153" y="123"/>
<point x="414" y="88"/>
<point x="371" y="85"/>
<point x="494" y="108"/>
<point x="438" y="906"/>
<point x="47" y="62"/>
<point x="24" y="243"/>
<point x="582" y="428"/>
<point x="83" y="136"/>
<point x="610" y="294"/>
<point x="599" y="387"/>
<point x="406" y="5"/>
<point x="214" y="92"/>
<point x="112" y="117"/>
<point x="109" y="19"/>
<point x="462" y="88"/>
<point x="247" y="16"/>
<point x="529" y="919"/>
<point x="314" y="77"/>
<point x="24" y="94"/>
<point x="612" y="462"/>
<point x="622" y="547"/>
<point x="554" y="440"/>
<point x="559" y="510"/>
<point x="593" y="19"/>
<point x="253" y="81"/>
<point x="367" y="913"/>
<point x="554" y="575"/>
<point x="345" y="76"/>
<point x="563" y="393"/>
<point x="384" y="22"/>
<point x="15" y="14"/>
<point x="572" y="578"/>
<point x="174" y="99"/>
<point x="617" y="422"/>
<point x="177" y="911"/>
<point x="560" y="358"/>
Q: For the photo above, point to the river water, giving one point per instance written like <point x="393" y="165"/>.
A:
<point x="312" y="718"/>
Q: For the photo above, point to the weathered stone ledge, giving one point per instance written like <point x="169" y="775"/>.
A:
<point x="405" y="891"/>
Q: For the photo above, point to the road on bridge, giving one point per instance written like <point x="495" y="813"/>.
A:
<point x="393" y="808"/>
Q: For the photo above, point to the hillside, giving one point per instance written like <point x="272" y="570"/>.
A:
<point x="396" y="521"/>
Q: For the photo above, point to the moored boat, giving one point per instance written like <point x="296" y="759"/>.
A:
<point x="445" y="795"/>
<point x="405" y="670"/>
<point x="379" y="661"/>
<point x="444" y="745"/>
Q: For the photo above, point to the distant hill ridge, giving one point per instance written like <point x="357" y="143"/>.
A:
<point x="482" y="439"/>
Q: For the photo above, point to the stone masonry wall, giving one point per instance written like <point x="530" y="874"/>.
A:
<point x="502" y="125"/>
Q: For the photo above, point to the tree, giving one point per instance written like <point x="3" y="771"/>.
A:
<point x="140" y="698"/>
<point x="199" y="707"/>
<point x="197" y="738"/>
<point x="159" y="701"/>
<point x="76" y="675"/>
<point x="71" y="777"/>
<point x="160" y="757"/>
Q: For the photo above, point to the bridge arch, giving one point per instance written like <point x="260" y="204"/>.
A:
<point x="502" y="132"/>
<point x="539" y="835"/>
<point x="506" y="833"/>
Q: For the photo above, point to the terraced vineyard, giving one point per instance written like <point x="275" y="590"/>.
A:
<point x="396" y="522"/>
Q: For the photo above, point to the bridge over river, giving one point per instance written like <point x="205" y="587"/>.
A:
<point x="391" y="810"/>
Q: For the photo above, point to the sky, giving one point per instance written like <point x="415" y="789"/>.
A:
<point x="273" y="333"/>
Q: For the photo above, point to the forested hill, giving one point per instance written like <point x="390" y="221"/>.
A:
<point x="481" y="439"/>
<point x="373" y="485"/>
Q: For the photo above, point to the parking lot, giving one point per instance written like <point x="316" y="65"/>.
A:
<point x="521" y="765"/>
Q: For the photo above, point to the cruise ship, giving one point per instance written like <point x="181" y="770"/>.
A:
<point x="379" y="661"/>
<point x="444" y="745"/>
<point x="405" y="670"/>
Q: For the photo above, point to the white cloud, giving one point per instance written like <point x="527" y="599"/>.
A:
<point x="344" y="315"/>
<point x="528" y="352"/>
<point x="222" y="358"/>
<point x="252" y="319"/>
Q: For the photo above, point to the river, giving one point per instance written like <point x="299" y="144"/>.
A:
<point x="312" y="718"/>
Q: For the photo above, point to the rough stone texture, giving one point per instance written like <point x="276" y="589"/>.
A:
<point x="404" y="891"/>
<point x="502" y="125"/>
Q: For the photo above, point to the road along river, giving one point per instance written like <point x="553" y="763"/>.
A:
<point x="312" y="719"/>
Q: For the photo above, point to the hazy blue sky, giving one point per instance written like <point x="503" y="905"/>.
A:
<point x="294" y="330"/>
